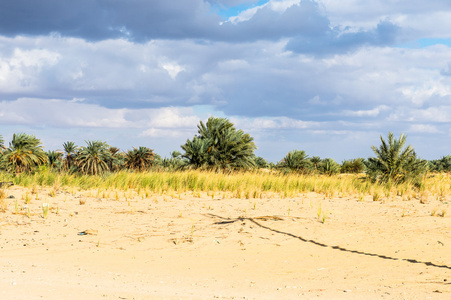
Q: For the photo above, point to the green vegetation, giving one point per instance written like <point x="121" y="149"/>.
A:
<point x="221" y="158"/>
<point x="395" y="164"/>
<point x="23" y="154"/>
<point x="93" y="158"/>
<point x="296" y="160"/>
<point x="139" y="159"/>
<point x="220" y="146"/>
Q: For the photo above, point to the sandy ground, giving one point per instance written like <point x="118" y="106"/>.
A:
<point x="212" y="246"/>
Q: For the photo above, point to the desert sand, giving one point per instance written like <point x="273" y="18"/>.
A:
<point x="125" y="245"/>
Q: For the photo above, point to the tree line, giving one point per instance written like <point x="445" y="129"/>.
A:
<point x="218" y="146"/>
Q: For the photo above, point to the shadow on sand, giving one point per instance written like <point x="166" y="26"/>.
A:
<point x="413" y="261"/>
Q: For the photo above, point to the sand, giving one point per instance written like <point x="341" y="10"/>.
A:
<point x="128" y="246"/>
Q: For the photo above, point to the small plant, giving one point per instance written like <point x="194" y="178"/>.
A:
<point x="376" y="196"/>
<point x="322" y="215"/>
<point x="45" y="209"/>
<point x="16" y="207"/>
<point x="82" y="201"/>
<point x="27" y="198"/>
<point x="361" y="198"/>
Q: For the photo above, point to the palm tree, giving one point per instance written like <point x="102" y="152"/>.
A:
<point x="396" y="163"/>
<point x="116" y="161"/>
<point x="139" y="159"/>
<point x="356" y="165"/>
<point x="441" y="165"/>
<point x="260" y="162"/>
<point x="296" y="160"/>
<point x="329" y="166"/>
<point x="316" y="160"/>
<point x="196" y="152"/>
<point x="24" y="153"/>
<point x="54" y="159"/>
<point x="93" y="158"/>
<point x="219" y="145"/>
<point x="71" y="152"/>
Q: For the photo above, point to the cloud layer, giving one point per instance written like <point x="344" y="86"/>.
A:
<point x="310" y="75"/>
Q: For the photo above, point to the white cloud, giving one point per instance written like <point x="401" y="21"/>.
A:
<point x="420" y="94"/>
<point x="367" y="113"/>
<point x="275" y="123"/>
<point x="61" y="113"/>
<point x="172" y="68"/>
<point x="423" y="128"/>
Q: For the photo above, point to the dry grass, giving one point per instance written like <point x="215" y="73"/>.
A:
<point x="3" y="201"/>
<point x="249" y="185"/>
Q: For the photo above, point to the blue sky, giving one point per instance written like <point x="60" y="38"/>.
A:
<point x="328" y="76"/>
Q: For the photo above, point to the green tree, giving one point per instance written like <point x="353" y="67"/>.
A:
<point x="116" y="160"/>
<point x="24" y="153"/>
<point x="70" y="150"/>
<point x="196" y="152"/>
<point x="93" y="158"/>
<point x="441" y="165"/>
<point x="139" y="159"/>
<point x="296" y="160"/>
<point x="54" y="159"/>
<point x="174" y="162"/>
<point x="316" y="160"/>
<point x="396" y="163"/>
<point x="219" y="145"/>
<point x="356" y="166"/>
<point x="329" y="166"/>
<point x="260" y="162"/>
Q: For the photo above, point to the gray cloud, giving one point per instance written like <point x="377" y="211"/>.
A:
<point x="447" y="70"/>
<point x="141" y="21"/>
<point x="336" y="41"/>
<point x="96" y="20"/>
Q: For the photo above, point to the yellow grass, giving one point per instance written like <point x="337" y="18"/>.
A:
<point x="247" y="185"/>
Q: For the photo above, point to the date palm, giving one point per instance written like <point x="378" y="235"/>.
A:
<point x="139" y="159"/>
<point x="54" y="159"/>
<point x="296" y="160"/>
<point x="93" y="158"/>
<point x="219" y="145"/>
<point x="395" y="162"/>
<point x="116" y="161"/>
<point x="23" y="154"/>
<point x="196" y="152"/>
<point x="71" y="152"/>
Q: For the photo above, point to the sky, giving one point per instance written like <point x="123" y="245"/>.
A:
<point x="328" y="77"/>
